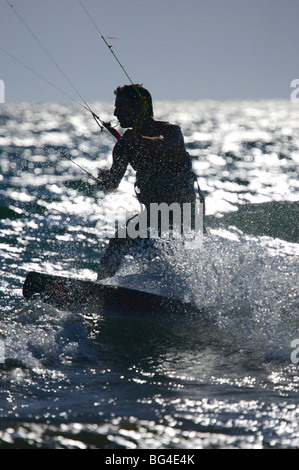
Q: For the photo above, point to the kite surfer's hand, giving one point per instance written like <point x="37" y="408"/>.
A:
<point x="102" y="176"/>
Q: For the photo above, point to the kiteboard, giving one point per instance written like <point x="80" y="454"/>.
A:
<point x="78" y="295"/>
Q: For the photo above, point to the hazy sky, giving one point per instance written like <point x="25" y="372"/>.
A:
<point x="179" y="49"/>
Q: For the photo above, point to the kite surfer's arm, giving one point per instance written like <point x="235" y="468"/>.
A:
<point x="110" y="179"/>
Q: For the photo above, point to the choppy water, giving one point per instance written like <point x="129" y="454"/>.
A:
<point x="225" y="378"/>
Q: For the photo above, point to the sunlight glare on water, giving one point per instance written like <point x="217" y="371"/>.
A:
<point x="219" y="377"/>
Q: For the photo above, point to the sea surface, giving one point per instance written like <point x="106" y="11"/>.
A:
<point x="223" y="378"/>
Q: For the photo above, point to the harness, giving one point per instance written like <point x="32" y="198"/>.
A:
<point x="200" y="193"/>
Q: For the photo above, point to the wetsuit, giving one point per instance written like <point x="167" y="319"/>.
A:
<point x="163" y="167"/>
<point x="163" y="175"/>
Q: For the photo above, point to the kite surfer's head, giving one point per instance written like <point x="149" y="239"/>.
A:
<point x="132" y="103"/>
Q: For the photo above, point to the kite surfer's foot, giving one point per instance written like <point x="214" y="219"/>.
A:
<point x="105" y="271"/>
<point x="109" y="264"/>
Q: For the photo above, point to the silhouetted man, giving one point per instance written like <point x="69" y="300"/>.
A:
<point x="156" y="151"/>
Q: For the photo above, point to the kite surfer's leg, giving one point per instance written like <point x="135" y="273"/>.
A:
<point x="112" y="258"/>
<point x="110" y="261"/>
<point x="117" y="250"/>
